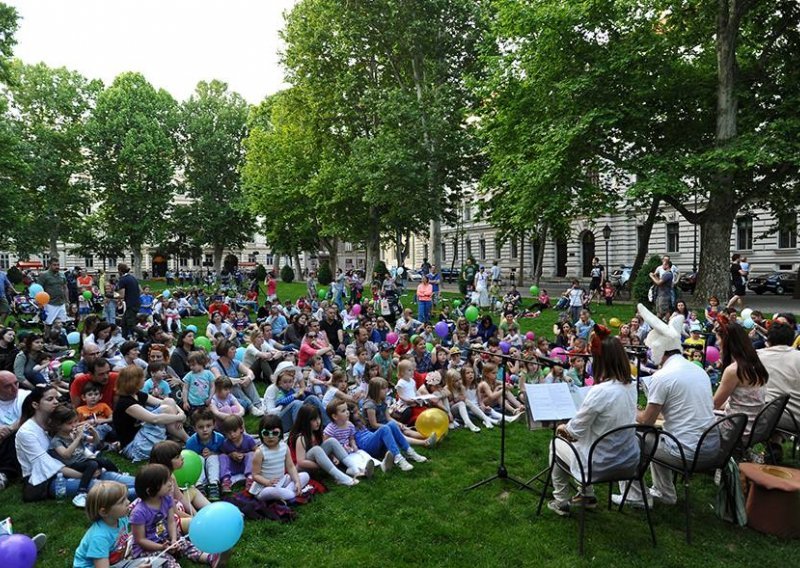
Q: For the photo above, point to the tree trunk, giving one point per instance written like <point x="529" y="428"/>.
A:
<point x="137" y="261"/>
<point x="647" y="230"/>
<point x="542" y="239"/>
<point x="521" y="255"/>
<point x="373" y="243"/>
<point x="332" y="246"/>
<point x="298" y="267"/>
<point x="217" y="259"/>
<point x="54" y="244"/>
<point x="398" y="247"/>
<point x="715" y="228"/>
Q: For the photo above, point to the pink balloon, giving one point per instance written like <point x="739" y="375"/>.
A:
<point x="392" y="337"/>
<point x="530" y="336"/>
<point x="357" y="309"/>
<point x="589" y="381"/>
<point x="712" y="355"/>
<point x="559" y="353"/>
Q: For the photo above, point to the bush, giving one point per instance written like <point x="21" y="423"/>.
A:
<point x="287" y="274"/>
<point x="261" y="272"/>
<point x="462" y="282"/>
<point x="324" y="275"/>
<point x="380" y="270"/>
<point x="15" y="275"/>
<point x="642" y="284"/>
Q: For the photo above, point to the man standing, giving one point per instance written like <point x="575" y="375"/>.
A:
<point x="55" y="285"/>
<point x="681" y="392"/>
<point x="663" y="277"/>
<point x="435" y="280"/>
<point x="5" y="286"/>
<point x="11" y="398"/>
<point x="130" y="286"/>
<point x="495" y="273"/>
<point x="598" y="276"/>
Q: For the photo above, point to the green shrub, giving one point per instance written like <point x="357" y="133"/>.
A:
<point x="287" y="274"/>
<point x="324" y="275"/>
<point x="462" y="281"/>
<point x="643" y="283"/>
<point x="261" y="272"/>
<point x="380" y="269"/>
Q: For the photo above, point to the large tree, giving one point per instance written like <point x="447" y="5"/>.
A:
<point x="385" y="81"/>
<point x="690" y="99"/>
<point x="50" y="108"/>
<point x="132" y="137"/>
<point x="214" y="125"/>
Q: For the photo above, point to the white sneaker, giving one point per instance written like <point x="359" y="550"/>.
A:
<point x="369" y="469"/>
<point x="79" y="500"/>
<point x="514" y="418"/>
<point x="3" y="481"/>
<point x="635" y="503"/>
<point x="349" y="483"/>
<point x="256" y="411"/>
<point x="402" y="463"/>
<point x="474" y="428"/>
<point x="431" y="441"/>
<point x="388" y="462"/>
<point x="39" y="540"/>
<point x="656" y="495"/>
<point x="488" y="424"/>
<point x="419" y="458"/>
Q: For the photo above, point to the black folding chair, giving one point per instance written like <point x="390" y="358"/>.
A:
<point x="764" y="425"/>
<point x="647" y="438"/>
<point x="708" y="455"/>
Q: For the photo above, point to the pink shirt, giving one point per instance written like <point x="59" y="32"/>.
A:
<point x="425" y="292"/>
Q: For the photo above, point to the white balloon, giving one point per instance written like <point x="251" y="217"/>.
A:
<point x="746" y="313"/>
<point x="400" y="270"/>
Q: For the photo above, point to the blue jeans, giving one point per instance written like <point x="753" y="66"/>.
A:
<point x="289" y="412"/>
<point x="424" y="310"/>
<point x="110" y="311"/>
<point x="387" y="437"/>
<point x="73" y="484"/>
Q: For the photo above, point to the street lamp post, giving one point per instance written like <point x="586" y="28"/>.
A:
<point x="606" y="236"/>
<point x="694" y="255"/>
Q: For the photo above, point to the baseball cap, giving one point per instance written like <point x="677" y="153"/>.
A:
<point x="385" y="346"/>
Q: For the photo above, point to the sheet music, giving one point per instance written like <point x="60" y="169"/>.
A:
<point x="549" y="402"/>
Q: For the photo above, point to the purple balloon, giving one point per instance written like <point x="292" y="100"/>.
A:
<point x="441" y="329"/>
<point x="505" y="346"/>
<point x="17" y="551"/>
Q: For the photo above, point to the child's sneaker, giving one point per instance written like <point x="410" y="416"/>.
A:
<point x="474" y="428"/>
<point x="226" y="485"/>
<point x="213" y="492"/>
<point x="388" y="462"/>
<point x="488" y="424"/>
<point x="419" y="458"/>
<point x="402" y="463"/>
<point x="369" y="469"/>
<point x="79" y="500"/>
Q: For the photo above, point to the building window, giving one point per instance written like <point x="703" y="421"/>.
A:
<point x="196" y="261"/>
<point x="269" y="260"/>
<point x="514" y="248"/>
<point x="252" y="257"/>
<point x="5" y="261"/>
<point x="348" y="247"/>
<point x="467" y="213"/>
<point x="112" y="261"/>
<point x="744" y="233"/>
<point x="482" y="247"/>
<point x="88" y="261"/>
<point x="673" y="237"/>
<point x="183" y="262"/>
<point x="640" y="237"/>
<point x="787" y="232"/>
<point x="469" y="248"/>
<point x="209" y="260"/>
<point x="444" y="251"/>
<point x="498" y="249"/>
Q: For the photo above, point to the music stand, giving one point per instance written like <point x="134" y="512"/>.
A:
<point x="502" y="471"/>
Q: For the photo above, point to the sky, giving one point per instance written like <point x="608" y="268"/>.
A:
<point x="173" y="43"/>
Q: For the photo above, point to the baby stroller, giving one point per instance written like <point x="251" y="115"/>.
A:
<point x="391" y="308"/>
<point x="25" y="310"/>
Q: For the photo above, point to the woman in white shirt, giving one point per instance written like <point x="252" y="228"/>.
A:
<point x="39" y="468"/>
<point x="611" y="403"/>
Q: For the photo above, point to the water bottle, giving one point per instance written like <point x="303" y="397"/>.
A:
<point x="61" y="487"/>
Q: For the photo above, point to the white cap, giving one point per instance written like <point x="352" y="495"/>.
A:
<point x="284" y="366"/>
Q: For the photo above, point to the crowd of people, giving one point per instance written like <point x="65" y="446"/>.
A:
<point x="346" y="382"/>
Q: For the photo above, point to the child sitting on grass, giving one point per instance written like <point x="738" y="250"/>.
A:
<point x="207" y="443"/>
<point x="223" y="403"/>
<point x="236" y="457"/>
<point x="157" y="384"/>
<point x="274" y="473"/>
<point x="95" y="411"/>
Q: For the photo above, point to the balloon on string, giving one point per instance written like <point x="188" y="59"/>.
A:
<point x="401" y="270"/>
<point x="559" y="353"/>
<point x="166" y="293"/>
<point x="240" y="351"/>
<point x="216" y="527"/>
<point x="530" y="336"/>
<point x="505" y="346"/>
<point x="322" y="293"/>
<point x="748" y="323"/>
<point x="747" y="313"/>
<point x="190" y="471"/>
<point x="192" y="328"/>
<point x="42" y="298"/>
<point x="203" y="342"/>
<point x="17" y="551"/>
<point x="34" y="289"/>
<point x="534" y="290"/>
<point x="66" y="367"/>
<point x="429" y="347"/>
<point x="441" y="329"/>
<point x="456" y="303"/>
<point x="73" y="338"/>
<point x="472" y="313"/>
<point x="712" y="355"/>
<point x="432" y="421"/>
<point x="392" y="337"/>
<point x="87" y="295"/>
<point x="356" y="309"/>
<point x="614" y="322"/>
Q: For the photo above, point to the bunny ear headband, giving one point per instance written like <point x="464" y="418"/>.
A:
<point x="662" y="337"/>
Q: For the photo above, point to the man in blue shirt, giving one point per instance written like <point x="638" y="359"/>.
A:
<point x="435" y="278"/>
<point x="278" y="322"/>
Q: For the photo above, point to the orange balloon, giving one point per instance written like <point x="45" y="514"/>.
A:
<point x="42" y="298"/>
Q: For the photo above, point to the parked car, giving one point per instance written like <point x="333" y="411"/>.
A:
<point x="619" y="276"/>
<point x="778" y="283"/>
<point x="449" y="274"/>
<point x="687" y="282"/>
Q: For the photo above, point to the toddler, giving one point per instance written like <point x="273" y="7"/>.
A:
<point x="94" y="411"/>
<point x="197" y="383"/>
<point x="224" y="403"/>
<point x="236" y="454"/>
<point x="275" y="476"/>
<point x="157" y="384"/>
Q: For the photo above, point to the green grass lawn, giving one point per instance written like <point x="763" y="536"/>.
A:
<point x="424" y="517"/>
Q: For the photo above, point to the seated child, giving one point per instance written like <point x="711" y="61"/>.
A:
<point x="359" y="366"/>
<point x="197" y="383"/>
<point x="223" y="403"/>
<point x="342" y="430"/>
<point x="319" y="378"/>
<point x="338" y="389"/>
<point x="94" y="411"/>
<point x="236" y="454"/>
<point x="383" y="358"/>
<point x="69" y="446"/>
<point x="275" y="475"/>
<point x="207" y="443"/>
<point x="157" y="384"/>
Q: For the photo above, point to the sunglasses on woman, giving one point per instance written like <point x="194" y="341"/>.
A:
<point x="274" y="433"/>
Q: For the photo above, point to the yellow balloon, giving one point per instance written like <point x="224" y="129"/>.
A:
<point x="614" y="322"/>
<point x="433" y="421"/>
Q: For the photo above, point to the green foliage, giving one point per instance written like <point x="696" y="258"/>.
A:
<point x="287" y="274"/>
<point x="324" y="275"/>
<point x="642" y="284"/>
<point x="380" y="269"/>
<point x="9" y="23"/>
<point x="261" y="272"/>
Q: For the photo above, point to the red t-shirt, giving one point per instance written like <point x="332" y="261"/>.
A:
<point x="76" y="388"/>
<point x="218" y="307"/>
<point x="85" y="281"/>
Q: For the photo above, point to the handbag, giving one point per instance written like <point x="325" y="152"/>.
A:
<point x="385" y="308"/>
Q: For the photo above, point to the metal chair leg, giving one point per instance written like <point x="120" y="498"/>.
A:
<point x="544" y="489"/>
<point x="647" y="511"/>
<point x="688" y="510"/>
<point x="610" y="491"/>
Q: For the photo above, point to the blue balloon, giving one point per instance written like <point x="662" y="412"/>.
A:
<point x="166" y="293"/>
<point x="192" y="328"/>
<point x="34" y="289"/>
<point x="240" y="353"/>
<point x="216" y="527"/>
<point x="73" y="338"/>
<point x="748" y="323"/>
